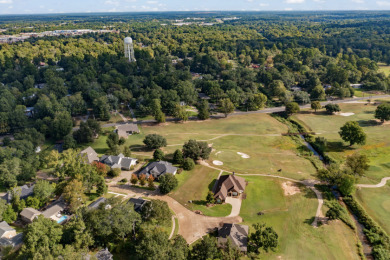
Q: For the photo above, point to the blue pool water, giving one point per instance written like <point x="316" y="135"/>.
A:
<point x="62" y="219"/>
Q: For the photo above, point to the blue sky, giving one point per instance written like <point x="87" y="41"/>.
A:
<point x="80" y="6"/>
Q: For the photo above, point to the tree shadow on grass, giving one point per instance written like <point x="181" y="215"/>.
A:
<point x="139" y="148"/>
<point x="337" y="146"/>
<point x="101" y="150"/>
<point x="211" y="185"/>
<point x="367" y="123"/>
<point x="199" y="202"/>
<point x="309" y="221"/>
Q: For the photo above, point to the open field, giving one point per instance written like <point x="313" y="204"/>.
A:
<point x="377" y="147"/>
<point x="384" y="68"/>
<point x="291" y="216"/>
<point x="258" y="135"/>
<point x="194" y="185"/>
<point x="377" y="203"/>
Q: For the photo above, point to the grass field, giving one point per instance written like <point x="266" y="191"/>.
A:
<point x="194" y="186"/>
<point x="377" y="147"/>
<point x="377" y="204"/>
<point x="384" y="68"/>
<point x="257" y="135"/>
<point x="291" y="217"/>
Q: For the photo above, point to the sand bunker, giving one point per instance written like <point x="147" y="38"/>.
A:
<point x="243" y="155"/>
<point x="215" y="162"/>
<point x="290" y="188"/>
<point x="218" y="152"/>
<point x="345" y="114"/>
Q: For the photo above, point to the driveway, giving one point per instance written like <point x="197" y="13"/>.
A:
<point x="192" y="226"/>
<point x="236" y="206"/>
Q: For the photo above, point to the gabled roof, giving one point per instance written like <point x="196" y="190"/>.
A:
<point x="4" y="227"/>
<point x="227" y="183"/>
<point x="90" y="154"/>
<point x="104" y="254"/>
<point x="25" y="191"/>
<point x="138" y="203"/>
<point x="128" y="128"/>
<point x="54" y="209"/>
<point x="15" y="241"/>
<point x="119" y="161"/>
<point x="237" y="234"/>
<point x="29" y="213"/>
<point x="158" y="168"/>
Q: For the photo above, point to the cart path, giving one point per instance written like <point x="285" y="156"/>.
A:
<point x="192" y="226"/>
<point x="309" y="183"/>
<point x="379" y="185"/>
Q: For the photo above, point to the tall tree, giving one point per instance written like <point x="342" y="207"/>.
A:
<point x="353" y="133"/>
<point x="226" y="106"/>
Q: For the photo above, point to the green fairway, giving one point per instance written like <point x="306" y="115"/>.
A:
<point x="377" y="203"/>
<point x="258" y="135"/>
<point x="377" y="147"/>
<point x="291" y="217"/>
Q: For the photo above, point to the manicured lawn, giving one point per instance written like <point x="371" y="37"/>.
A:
<point x="291" y="217"/>
<point x="377" y="204"/>
<point x="194" y="186"/>
<point x="257" y="135"/>
<point x="377" y="147"/>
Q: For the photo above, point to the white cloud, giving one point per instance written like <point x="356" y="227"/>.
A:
<point x="295" y="1"/>
<point x="319" y="1"/>
<point x="288" y="9"/>
<point x="151" y="2"/>
<point x="358" y="1"/>
<point x="111" y="2"/>
<point x="263" y="4"/>
<point x="6" y="1"/>
<point x="383" y="3"/>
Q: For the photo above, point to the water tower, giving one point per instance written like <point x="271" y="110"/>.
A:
<point x="129" y="49"/>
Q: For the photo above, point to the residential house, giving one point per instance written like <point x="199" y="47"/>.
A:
<point x="104" y="254"/>
<point x="138" y="204"/>
<point x="120" y="161"/>
<point x="356" y="86"/>
<point x="156" y="169"/>
<point x="29" y="111"/>
<point x="24" y="192"/>
<point x="29" y="214"/>
<point x="229" y="186"/>
<point x="54" y="211"/>
<point x="89" y="155"/>
<point x="236" y="234"/>
<point x="6" y="231"/>
<point x="127" y="129"/>
<point x="15" y="242"/>
<point x="203" y="96"/>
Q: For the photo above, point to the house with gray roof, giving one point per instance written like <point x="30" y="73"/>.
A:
<point x="54" y="211"/>
<point x="89" y="155"/>
<point x="15" y="242"/>
<point x="120" y="161"/>
<point x="24" y="191"/>
<point x="138" y="203"/>
<point x="29" y="214"/>
<point x="127" y="129"/>
<point x="236" y="234"/>
<point x="156" y="169"/>
<point x="6" y="231"/>
<point x="104" y="254"/>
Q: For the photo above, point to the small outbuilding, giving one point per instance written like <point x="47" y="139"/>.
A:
<point x="6" y="231"/>
<point x="138" y="204"/>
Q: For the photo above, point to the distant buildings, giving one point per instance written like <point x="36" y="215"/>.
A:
<point x="127" y="129"/>
<point x="24" y="192"/>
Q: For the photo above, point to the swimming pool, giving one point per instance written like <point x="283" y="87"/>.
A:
<point x="62" y="219"/>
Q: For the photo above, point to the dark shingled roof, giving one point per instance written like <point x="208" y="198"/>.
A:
<point x="25" y="192"/>
<point x="227" y="183"/>
<point x="237" y="234"/>
<point x="157" y="169"/>
<point x="138" y="203"/>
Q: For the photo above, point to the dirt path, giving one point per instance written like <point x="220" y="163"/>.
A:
<point x="381" y="184"/>
<point x="173" y="227"/>
<point x="192" y="226"/>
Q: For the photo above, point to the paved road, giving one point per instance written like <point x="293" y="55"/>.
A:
<point x="381" y="184"/>
<point x="263" y="111"/>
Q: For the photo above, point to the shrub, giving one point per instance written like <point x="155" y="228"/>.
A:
<point x="114" y="172"/>
<point x="332" y="108"/>
<point x="158" y="155"/>
<point x="167" y="183"/>
<point x="154" y="141"/>
<point x="178" y="157"/>
<point x="151" y="182"/>
<point x="142" y="179"/>
<point x="188" y="164"/>
<point x="133" y="179"/>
